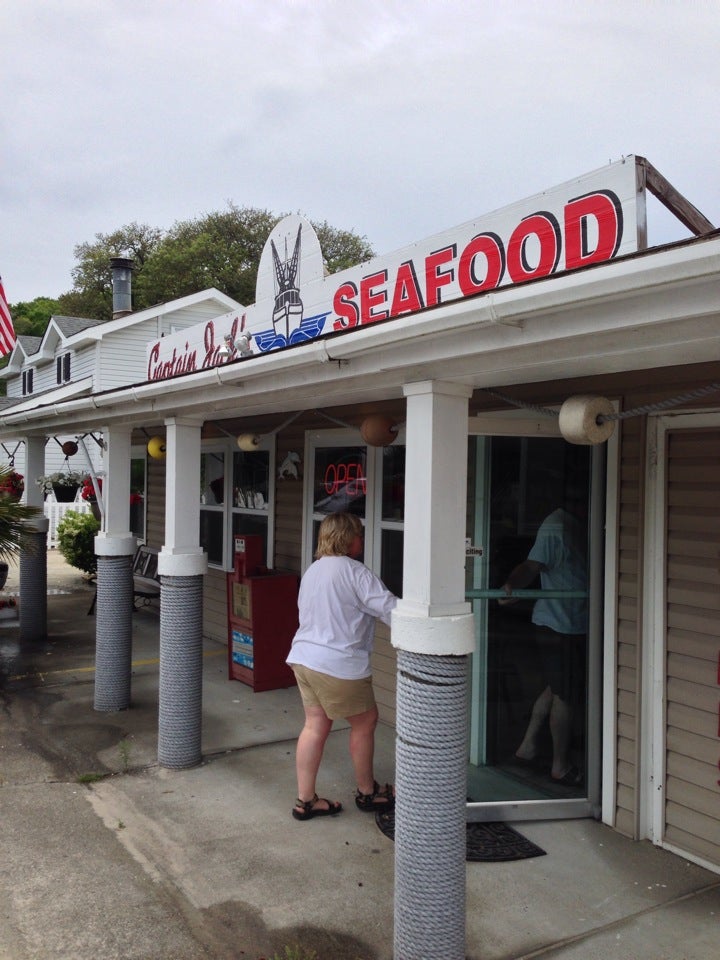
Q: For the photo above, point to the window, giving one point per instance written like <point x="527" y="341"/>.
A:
<point x="212" y="505"/>
<point x="251" y="495"/>
<point x="236" y="497"/>
<point x="27" y="382"/>
<point x="62" y="368"/>
<point x="343" y="475"/>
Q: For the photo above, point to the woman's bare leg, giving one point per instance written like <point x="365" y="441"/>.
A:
<point x="310" y="746"/>
<point x="362" y="748"/>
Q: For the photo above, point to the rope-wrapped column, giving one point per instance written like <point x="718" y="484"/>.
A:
<point x="180" y="707"/>
<point x="33" y="583"/>
<point x="113" y="636"/>
<point x="430" y="817"/>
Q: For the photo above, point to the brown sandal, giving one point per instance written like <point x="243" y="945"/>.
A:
<point x="309" y="811"/>
<point x="382" y="798"/>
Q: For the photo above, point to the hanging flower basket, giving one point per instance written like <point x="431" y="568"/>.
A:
<point x="65" y="493"/>
<point x="64" y="485"/>
<point x="12" y="485"/>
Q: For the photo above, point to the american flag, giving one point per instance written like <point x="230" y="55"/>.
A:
<point x="7" y="331"/>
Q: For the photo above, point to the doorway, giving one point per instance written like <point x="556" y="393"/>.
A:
<point x="535" y="719"/>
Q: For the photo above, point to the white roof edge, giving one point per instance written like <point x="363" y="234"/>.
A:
<point x="98" y="330"/>
<point x="66" y="392"/>
<point x="212" y="293"/>
<point x="651" y="272"/>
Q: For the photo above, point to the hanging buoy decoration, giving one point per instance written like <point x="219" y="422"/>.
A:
<point x="249" y="442"/>
<point x="156" y="448"/>
<point x="378" y="430"/>
<point x="579" y="422"/>
<point x="69" y="448"/>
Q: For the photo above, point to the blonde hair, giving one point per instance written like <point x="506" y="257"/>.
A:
<point x="337" y="531"/>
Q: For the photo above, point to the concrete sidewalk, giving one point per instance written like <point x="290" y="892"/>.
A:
<point x="105" y="855"/>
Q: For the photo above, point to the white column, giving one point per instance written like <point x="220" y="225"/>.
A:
<point x="182" y="564"/>
<point x="181" y="555"/>
<point x="116" y="539"/>
<point x="432" y="627"/>
<point x="34" y="468"/>
<point x="33" y="556"/>
<point x="114" y="546"/>
<point x="433" y="616"/>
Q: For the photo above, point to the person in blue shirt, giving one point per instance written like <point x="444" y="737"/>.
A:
<point x="559" y="557"/>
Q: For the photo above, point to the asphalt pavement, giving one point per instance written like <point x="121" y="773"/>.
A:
<point x="105" y="855"/>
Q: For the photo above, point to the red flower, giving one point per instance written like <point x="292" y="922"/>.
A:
<point x="13" y="484"/>
<point x="88" y="490"/>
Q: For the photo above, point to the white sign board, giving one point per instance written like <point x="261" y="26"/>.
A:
<point x="588" y="220"/>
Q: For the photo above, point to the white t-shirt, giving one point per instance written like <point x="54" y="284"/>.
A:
<point x="338" y="603"/>
<point x="561" y="547"/>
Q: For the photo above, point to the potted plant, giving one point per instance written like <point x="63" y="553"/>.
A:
<point x="13" y="530"/>
<point x="12" y="484"/>
<point x="64" y="484"/>
<point x="89" y="496"/>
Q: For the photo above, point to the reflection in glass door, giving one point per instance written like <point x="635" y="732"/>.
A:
<point x="529" y="576"/>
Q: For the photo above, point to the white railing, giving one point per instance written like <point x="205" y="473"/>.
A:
<point x="56" y="511"/>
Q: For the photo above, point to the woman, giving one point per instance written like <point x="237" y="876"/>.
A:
<point x="338" y="603"/>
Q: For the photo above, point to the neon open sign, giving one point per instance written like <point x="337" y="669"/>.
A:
<point x="348" y="477"/>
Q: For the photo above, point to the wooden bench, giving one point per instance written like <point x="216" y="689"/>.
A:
<point x="146" y="582"/>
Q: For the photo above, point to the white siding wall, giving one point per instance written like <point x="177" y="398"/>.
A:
<point x="122" y="355"/>
<point x="200" y="313"/>
<point x="44" y="377"/>
<point x="82" y="363"/>
<point x="123" y="358"/>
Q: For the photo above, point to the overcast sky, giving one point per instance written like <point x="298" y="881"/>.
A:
<point x="396" y="119"/>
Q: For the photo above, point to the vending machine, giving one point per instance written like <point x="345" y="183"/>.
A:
<point x="262" y="618"/>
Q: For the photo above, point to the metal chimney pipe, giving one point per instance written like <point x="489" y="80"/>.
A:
<point x="122" y="268"/>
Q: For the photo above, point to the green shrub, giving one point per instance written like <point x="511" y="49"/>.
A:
<point x="76" y="534"/>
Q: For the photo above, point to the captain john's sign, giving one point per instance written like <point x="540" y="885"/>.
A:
<point x="586" y="221"/>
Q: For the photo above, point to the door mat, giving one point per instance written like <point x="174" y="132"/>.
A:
<point x="486" y="842"/>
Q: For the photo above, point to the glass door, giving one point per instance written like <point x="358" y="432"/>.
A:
<point x="533" y="576"/>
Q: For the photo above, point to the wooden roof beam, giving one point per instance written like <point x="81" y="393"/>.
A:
<point x="659" y="187"/>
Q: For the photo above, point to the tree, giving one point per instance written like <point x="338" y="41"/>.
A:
<point x="91" y="295"/>
<point x="31" y="317"/>
<point x="341" y="249"/>
<point x="221" y="249"/>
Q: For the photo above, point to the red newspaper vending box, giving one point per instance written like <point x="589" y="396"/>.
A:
<point x="262" y="618"/>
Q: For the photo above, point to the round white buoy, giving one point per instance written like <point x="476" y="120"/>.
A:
<point x="248" y="442"/>
<point x="579" y="419"/>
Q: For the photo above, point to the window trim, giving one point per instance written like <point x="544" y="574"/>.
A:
<point x="373" y="522"/>
<point x="139" y="452"/>
<point x="63" y="368"/>
<point x="228" y="509"/>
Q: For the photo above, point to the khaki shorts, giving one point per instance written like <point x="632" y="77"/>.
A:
<point x="338" y="698"/>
